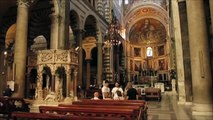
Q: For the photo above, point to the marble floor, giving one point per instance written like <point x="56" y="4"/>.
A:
<point x="168" y="109"/>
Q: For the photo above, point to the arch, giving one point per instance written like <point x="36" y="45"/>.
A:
<point x="147" y="30"/>
<point x="148" y="10"/>
<point x="149" y="52"/>
<point x="90" y="26"/>
<point x="62" y="81"/>
<point x="40" y="21"/>
<point x="74" y="27"/>
<point x="10" y="35"/>
<point x="74" y="20"/>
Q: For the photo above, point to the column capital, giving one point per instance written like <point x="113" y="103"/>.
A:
<point x="25" y="3"/>
<point x="75" y="73"/>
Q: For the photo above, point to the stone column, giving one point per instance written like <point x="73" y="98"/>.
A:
<point x="79" y="33"/>
<point x="53" y="81"/>
<point x="68" y="83"/>
<point x="21" y="46"/>
<point x="107" y="63"/>
<point x="200" y="60"/>
<point x="54" y="35"/>
<point x="100" y="67"/>
<point x="179" y="53"/>
<point x="88" y="73"/>
<point x="75" y="85"/>
<point x="64" y="24"/>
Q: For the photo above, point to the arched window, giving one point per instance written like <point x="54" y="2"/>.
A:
<point x="149" y="52"/>
<point x="126" y="2"/>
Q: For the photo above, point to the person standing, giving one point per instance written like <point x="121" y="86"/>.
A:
<point x="115" y="91"/>
<point x="105" y="88"/>
<point x="132" y="93"/>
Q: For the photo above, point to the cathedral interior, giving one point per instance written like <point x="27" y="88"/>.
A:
<point x="69" y="47"/>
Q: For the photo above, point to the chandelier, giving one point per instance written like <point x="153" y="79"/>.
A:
<point x="112" y="36"/>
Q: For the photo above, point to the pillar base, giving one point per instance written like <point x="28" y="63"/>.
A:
<point x="182" y="100"/>
<point x="202" y="109"/>
<point x="68" y="99"/>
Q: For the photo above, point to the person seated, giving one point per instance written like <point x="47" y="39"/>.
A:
<point x="96" y="96"/>
<point x="107" y="96"/>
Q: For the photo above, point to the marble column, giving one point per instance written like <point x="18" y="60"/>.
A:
<point x="54" y="35"/>
<point x="88" y="73"/>
<point x="75" y="85"/>
<point x="79" y="33"/>
<point x="200" y="60"/>
<point x="21" y="46"/>
<point x="53" y="81"/>
<point x="99" y="63"/>
<point x="68" y="83"/>
<point x="64" y="24"/>
<point x="179" y="53"/>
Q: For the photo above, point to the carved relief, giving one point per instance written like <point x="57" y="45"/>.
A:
<point x="54" y="59"/>
<point x="61" y="57"/>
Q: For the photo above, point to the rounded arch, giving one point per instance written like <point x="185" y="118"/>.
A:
<point x="147" y="31"/>
<point x="7" y="22"/>
<point x="74" y="27"/>
<point x="90" y="26"/>
<point x="10" y="35"/>
<point x="39" y="21"/>
<point x="142" y="11"/>
<point x="74" y="20"/>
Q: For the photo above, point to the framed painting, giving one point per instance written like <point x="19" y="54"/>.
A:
<point x="137" y="52"/>
<point x="161" y="50"/>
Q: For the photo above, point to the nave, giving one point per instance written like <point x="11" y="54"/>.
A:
<point x="168" y="109"/>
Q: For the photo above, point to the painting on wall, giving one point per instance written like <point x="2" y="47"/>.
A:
<point x="137" y="52"/>
<point x="137" y="65"/>
<point x="161" y="50"/>
<point x="161" y="64"/>
<point x="147" y="30"/>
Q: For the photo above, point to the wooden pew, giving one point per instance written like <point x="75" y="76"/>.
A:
<point x="11" y="104"/>
<point x="136" y="109"/>
<point x="141" y="103"/>
<point x="128" y="114"/>
<point x="153" y="93"/>
<point x="44" y="116"/>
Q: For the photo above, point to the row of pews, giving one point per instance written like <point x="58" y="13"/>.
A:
<point x="90" y="110"/>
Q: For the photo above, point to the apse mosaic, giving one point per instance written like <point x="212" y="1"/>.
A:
<point x="147" y="31"/>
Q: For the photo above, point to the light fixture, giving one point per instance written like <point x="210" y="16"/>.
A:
<point x="112" y="36"/>
<point x="5" y="52"/>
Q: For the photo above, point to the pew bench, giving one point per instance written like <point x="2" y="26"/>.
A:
<point x="136" y="109"/>
<point x="153" y="93"/>
<point x="11" y="104"/>
<point x="118" y="103"/>
<point x="128" y="114"/>
<point x="44" y="116"/>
